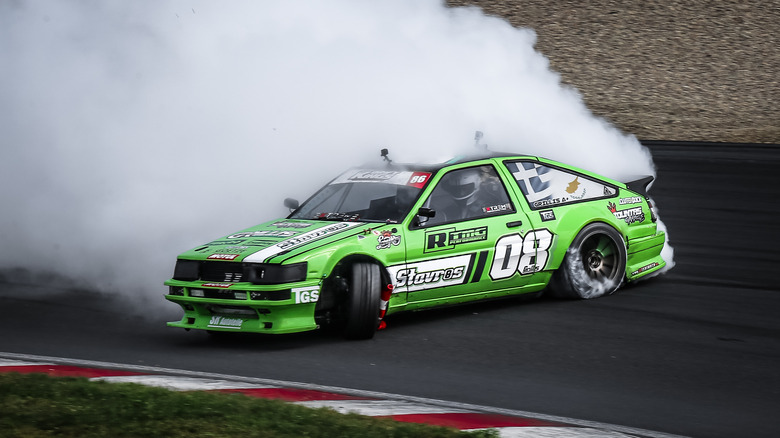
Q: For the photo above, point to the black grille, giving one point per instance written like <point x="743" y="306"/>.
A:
<point x="276" y="295"/>
<point x="223" y="272"/>
<point x="219" y="294"/>
<point x="232" y="311"/>
<point x="230" y="294"/>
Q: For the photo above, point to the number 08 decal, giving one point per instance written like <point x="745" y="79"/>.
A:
<point x="526" y="255"/>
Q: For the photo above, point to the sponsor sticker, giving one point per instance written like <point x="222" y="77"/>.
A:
<point x="496" y="208"/>
<point x="549" y="202"/>
<point x="222" y="256"/>
<point x="645" y="268"/>
<point x="291" y="225"/>
<point x="262" y="233"/>
<point x="338" y="216"/>
<point x="418" y="179"/>
<point x="306" y="294"/>
<point x="373" y="175"/>
<point x="547" y="215"/>
<point x="313" y="235"/>
<point x="431" y="273"/>
<point x="261" y="242"/>
<point x="387" y="239"/>
<point x="631" y="200"/>
<point x="630" y="215"/>
<point x="226" y="322"/>
<point x="224" y="242"/>
<point x="220" y="285"/>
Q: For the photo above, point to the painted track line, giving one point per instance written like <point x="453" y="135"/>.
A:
<point x="509" y="423"/>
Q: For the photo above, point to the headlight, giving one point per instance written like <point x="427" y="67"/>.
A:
<point x="186" y="270"/>
<point x="262" y="273"/>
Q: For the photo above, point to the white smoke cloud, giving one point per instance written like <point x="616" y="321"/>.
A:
<point x="135" y="130"/>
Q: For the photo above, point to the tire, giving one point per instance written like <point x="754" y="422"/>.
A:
<point x="594" y="264"/>
<point x="362" y="307"/>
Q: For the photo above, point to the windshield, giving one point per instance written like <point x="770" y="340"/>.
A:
<point x="367" y="196"/>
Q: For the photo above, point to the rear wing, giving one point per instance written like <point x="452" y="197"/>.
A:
<point x="640" y="185"/>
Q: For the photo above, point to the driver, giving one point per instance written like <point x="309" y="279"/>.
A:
<point x="465" y="188"/>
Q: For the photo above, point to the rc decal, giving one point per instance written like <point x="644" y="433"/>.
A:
<point x="449" y="237"/>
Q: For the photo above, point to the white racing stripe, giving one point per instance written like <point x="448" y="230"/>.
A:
<point x="294" y="242"/>
<point x="178" y="383"/>
<point x="375" y="408"/>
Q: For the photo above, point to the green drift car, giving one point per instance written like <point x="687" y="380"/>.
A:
<point x="393" y="238"/>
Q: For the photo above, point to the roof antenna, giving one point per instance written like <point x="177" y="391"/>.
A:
<point x="477" y="137"/>
<point x="384" y="153"/>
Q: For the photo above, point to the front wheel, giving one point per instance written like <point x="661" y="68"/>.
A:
<point x="362" y="307"/>
<point x="594" y="265"/>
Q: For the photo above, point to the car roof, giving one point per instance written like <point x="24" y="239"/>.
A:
<point x="483" y="155"/>
<point x="458" y="159"/>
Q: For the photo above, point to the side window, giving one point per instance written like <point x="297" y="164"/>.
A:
<point x="470" y="193"/>
<point x="545" y="186"/>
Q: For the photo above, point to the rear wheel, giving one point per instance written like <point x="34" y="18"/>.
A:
<point x="362" y="306"/>
<point x="594" y="265"/>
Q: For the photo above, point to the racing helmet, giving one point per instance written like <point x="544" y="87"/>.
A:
<point x="464" y="185"/>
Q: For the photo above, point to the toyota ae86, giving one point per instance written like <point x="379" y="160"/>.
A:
<point x="390" y="238"/>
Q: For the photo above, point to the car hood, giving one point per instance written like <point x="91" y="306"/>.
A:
<point x="263" y="242"/>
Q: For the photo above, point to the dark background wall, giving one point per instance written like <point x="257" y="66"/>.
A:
<point x="668" y="70"/>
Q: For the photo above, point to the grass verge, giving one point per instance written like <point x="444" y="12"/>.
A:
<point x="37" y="405"/>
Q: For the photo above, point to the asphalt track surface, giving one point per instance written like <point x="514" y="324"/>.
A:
<point x="695" y="352"/>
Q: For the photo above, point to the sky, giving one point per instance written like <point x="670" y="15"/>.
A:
<point x="133" y="131"/>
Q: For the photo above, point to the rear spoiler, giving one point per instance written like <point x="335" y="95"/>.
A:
<point x="640" y="185"/>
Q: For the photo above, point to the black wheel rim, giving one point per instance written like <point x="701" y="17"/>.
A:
<point x="599" y="258"/>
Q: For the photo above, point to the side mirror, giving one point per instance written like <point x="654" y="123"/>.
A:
<point x="291" y="203"/>
<point x="423" y="214"/>
<point x="426" y="212"/>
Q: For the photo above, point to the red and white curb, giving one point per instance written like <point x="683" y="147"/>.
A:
<point x="510" y="424"/>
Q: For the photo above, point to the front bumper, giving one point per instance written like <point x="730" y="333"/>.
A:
<point x="244" y="307"/>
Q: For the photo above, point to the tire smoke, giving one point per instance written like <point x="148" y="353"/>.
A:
<point x="135" y="130"/>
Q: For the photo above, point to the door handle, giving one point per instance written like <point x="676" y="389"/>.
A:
<point x="514" y="224"/>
